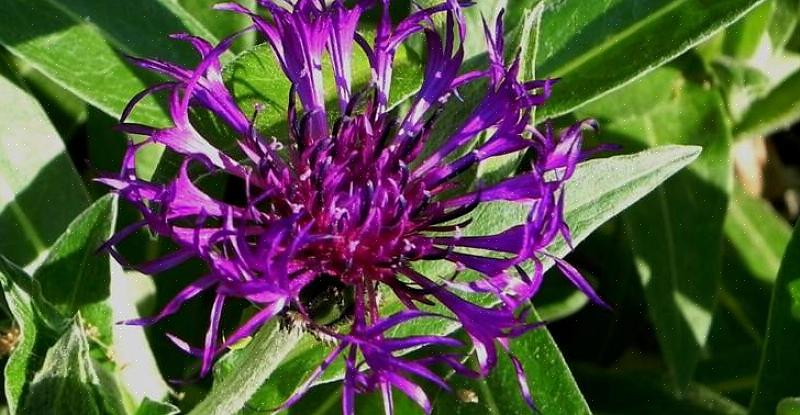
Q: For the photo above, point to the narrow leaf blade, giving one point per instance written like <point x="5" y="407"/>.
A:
<point x="150" y="407"/>
<point x="778" y="110"/>
<point x="780" y="362"/>
<point x="266" y="351"/>
<point x="40" y="191"/>
<point x="578" y="37"/>
<point x="79" y="44"/>
<point x="38" y="325"/>
<point x="67" y="382"/>
<point x="75" y="277"/>
<point x="676" y="233"/>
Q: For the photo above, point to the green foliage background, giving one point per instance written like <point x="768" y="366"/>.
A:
<point x="703" y="277"/>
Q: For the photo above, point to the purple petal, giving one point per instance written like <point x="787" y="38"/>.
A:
<point x="312" y="379"/>
<point x="577" y="280"/>
<point x="210" y="346"/>
<point x="522" y="381"/>
<point x="254" y="323"/>
<point x="194" y="288"/>
<point x="413" y="391"/>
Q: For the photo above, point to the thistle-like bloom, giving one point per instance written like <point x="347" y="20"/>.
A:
<point x="357" y="201"/>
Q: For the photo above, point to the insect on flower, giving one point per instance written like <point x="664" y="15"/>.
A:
<point x="350" y="206"/>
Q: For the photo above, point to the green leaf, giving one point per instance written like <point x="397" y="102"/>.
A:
<point x="783" y="22"/>
<point x="67" y="382"/>
<point x="778" y="110"/>
<point x="233" y="390"/>
<point x="758" y="233"/>
<point x="740" y="84"/>
<point x="39" y="325"/>
<point x="627" y="38"/>
<point x="40" y="191"/>
<point x="742" y="39"/>
<point x="75" y="277"/>
<point x="602" y="188"/>
<point x="65" y="110"/>
<point x="256" y="78"/>
<point x="780" y="361"/>
<point x="676" y="233"/>
<point x="599" y="190"/>
<point x="552" y="386"/>
<point x="756" y="238"/>
<point x="222" y="24"/>
<point x="292" y="371"/>
<point x="131" y="297"/>
<point x="647" y="392"/>
<point x="789" y="406"/>
<point x="150" y="407"/>
<point x="79" y="45"/>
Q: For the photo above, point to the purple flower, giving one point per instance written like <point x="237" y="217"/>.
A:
<point x="360" y="200"/>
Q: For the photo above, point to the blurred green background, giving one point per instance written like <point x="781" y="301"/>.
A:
<point x="703" y="322"/>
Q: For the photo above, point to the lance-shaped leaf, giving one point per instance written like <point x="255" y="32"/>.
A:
<point x="40" y="191"/>
<point x="599" y="46"/>
<point x="233" y="389"/>
<point x="780" y="361"/>
<point x="67" y="382"/>
<point x="75" y="277"/>
<point x="756" y="239"/>
<point x="676" y="232"/>
<point x="79" y="44"/>
<point x="777" y="110"/>
<point x="39" y="325"/>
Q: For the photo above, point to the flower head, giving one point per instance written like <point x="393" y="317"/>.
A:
<point x="358" y="201"/>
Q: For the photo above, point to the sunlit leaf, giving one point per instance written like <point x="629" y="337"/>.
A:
<point x="39" y="326"/>
<point x="67" y="382"/>
<point x="596" y="47"/>
<point x="40" y="191"/>
<point x="75" y="277"/>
